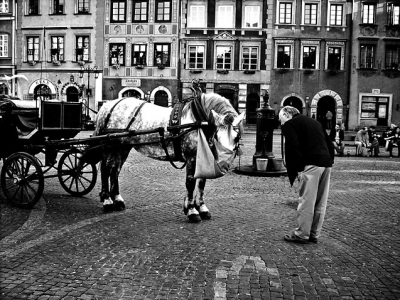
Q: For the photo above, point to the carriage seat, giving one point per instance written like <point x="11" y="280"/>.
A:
<point x="25" y="115"/>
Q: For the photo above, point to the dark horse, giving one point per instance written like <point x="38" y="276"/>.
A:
<point x="135" y="114"/>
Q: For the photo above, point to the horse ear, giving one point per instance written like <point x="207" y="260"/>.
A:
<point x="218" y="118"/>
<point x="238" y="119"/>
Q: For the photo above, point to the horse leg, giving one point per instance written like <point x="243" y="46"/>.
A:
<point x="199" y="200"/>
<point x="105" y="171"/>
<point x="122" y="155"/>
<point x="189" y="203"/>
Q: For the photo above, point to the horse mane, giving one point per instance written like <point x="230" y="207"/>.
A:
<point x="218" y="103"/>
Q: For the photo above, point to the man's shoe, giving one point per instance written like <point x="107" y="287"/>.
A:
<point x="295" y="239"/>
<point x="313" y="240"/>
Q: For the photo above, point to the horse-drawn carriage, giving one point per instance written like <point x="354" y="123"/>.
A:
<point x="48" y="128"/>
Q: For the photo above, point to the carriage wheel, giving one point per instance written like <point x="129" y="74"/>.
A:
<point x="22" y="180"/>
<point x="75" y="177"/>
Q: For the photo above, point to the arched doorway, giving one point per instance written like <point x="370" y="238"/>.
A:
<point x="252" y="103"/>
<point x="324" y="105"/>
<point x="72" y="94"/>
<point x="295" y="102"/>
<point x="131" y="93"/>
<point x="42" y="92"/>
<point x="161" y="98"/>
<point x="3" y="89"/>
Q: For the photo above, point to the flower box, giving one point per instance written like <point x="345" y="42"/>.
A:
<point x="196" y="71"/>
<point x="249" y="72"/>
<point x="161" y="67"/>
<point x="32" y="63"/>
<point x="139" y="67"/>
<point x="223" y="71"/>
<point x="56" y="63"/>
<point x="81" y="63"/>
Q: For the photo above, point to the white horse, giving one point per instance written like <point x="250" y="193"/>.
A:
<point x="135" y="114"/>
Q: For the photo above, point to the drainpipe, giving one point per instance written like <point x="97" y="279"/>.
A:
<point x="179" y="90"/>
<point x="350" y="65"/>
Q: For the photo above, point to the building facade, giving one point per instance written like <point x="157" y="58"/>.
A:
<point x="141" y="50"/>
<point x="311" y="41"/>
<point x="375" y="68"/>
<point x="227" y="44"/>
<point x="57" y="51"/>
<point x="7" y="47"/>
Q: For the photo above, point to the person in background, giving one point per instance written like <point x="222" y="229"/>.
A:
<point x="329" y="117"/>
<point x="361" y="140"/>
<point x="337" y="136"/>
<point x="373" y="140"/>
<point x="309" y="158"/>
<point x="394" y="140"/>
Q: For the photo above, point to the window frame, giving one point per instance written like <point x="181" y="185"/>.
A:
<point x="335" y="44"/>
<point x="81" y="7"/>
<point x="60" y="56"/>
<point x="284" y="43"/>
<point x="232" y="61"/>
<point x="342" y="19"/>
<point x="204" y="46"/>
<point x="393" y="16"/>
<point x="4" y="47"/>
<point x="397" y="59"/>
<point x="157" y="8"/>
<point x="168" y="64"/>
<point x="4" y="4"/>
<point x="376" y="99"/>
<point x="34" y="37"/>
<point x="110" y="58"/>
<point x="242" y="52"/>
<point x="57" y="3"/>
<point x="259" y="21"/>
<point x="35" y="4"/>
<point x="317" y="13"/>
<point x="219" y="24"/>
<point x="367" y="18"/>
<point x="134" y="52"/>
<point x="134" y="2"/>
<point x="292" y="4"/>
<point x="190" y="15"/>
<point x="87" y="54"/>
<point x="119" y="2"/>
<point x="310" y="44"/>
<point x="374" y="47"/>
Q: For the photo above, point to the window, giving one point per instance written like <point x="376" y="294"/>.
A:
<point x="32" y="53"/>
<point x="393" y="14"/>
<point x="392" y="57"/>
<point x="139" y="54"/>
<point x="163" y="11"/>
<point x="367" y="56"/>
<point x="82" y="48"/>
<point x="3" y="45"/>
<point x="284" y="56"/>
<point x="368" y="13"/>
<point x="118" y="11"/>
<point x="33" y="7"/>
<point x="140" y="11"/>
<point x="334" y="58"/>
<point x="375" y="107"/>
<point x="252" y="17"/>
<point x="336" y="15"/>
<point x="224" y="16"/>
<point x="196" y="57"/>
<point x="197" y="16"/>
<point x="117" y="54"/>
<point x="162" y="54"/>
<point x="249" y="58"/>
<point x="310" y="14"/>
<point x="58" y="7"/>
<point x="4" y="6"/>
<point x="224" y="57"/>
<point x="285" y="12"/>
<point x="83" y="6"/>
<point x="57" y="48"/>
<point x="309" y="57"/>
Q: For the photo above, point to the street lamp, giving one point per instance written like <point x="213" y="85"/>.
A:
<point x="88" y="70"/>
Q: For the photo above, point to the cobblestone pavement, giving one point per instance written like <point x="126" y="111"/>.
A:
<point x="67" y="248"/>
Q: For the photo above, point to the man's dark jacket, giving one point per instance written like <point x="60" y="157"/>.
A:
<point x="306" y="143"/>
<point x="332" y="135"/>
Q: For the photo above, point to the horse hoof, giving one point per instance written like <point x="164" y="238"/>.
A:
<point x="205" y="215"/>
<point x="108" y="208"/>
<point x="119" y="205"/>
<point x="194" y="218"/>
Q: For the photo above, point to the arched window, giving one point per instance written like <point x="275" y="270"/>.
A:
<point x="161" y="98"/>
<point x="3" y="89"/>
<point x="131" y="93"/>
<point x="42" y="92"/>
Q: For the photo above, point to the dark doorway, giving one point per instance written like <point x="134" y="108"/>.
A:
<point x="295" y="102"/>
<point x="253" y="102"/>
<point x="324" y="105"/>
<point x="161" y="99"/>
<point x="131" y="93"/>
<point x="72" y="94"/>
<point x="42" y="92"/>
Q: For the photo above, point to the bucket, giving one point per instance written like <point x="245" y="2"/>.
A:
<point x="261" y="164"/>
<point x="277" y="164"/>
